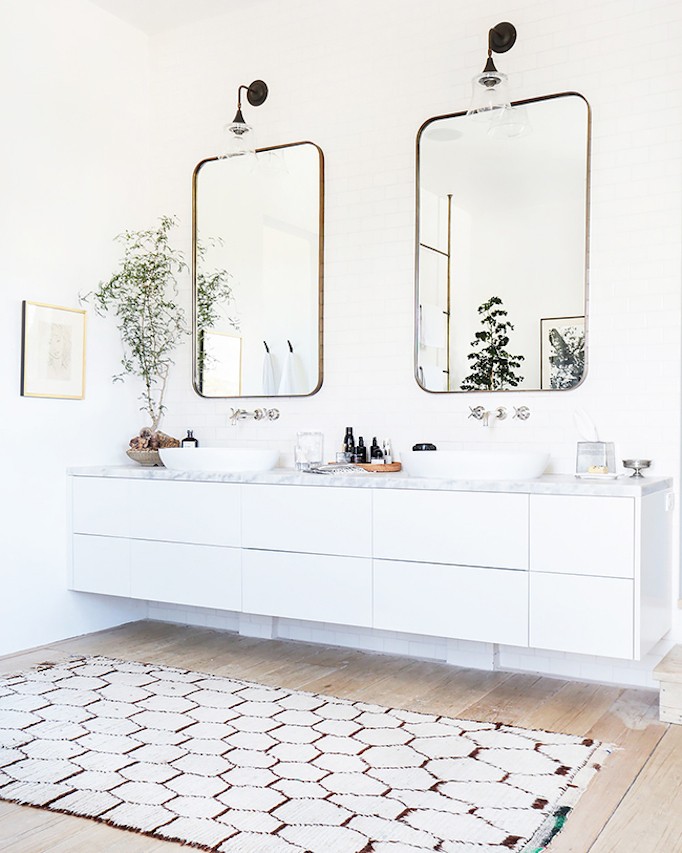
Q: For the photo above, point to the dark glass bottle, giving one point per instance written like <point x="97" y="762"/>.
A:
<point x="376" y="456"/>
<point x="349" y="441"/>
<point x="360" y="452"/>
<point x="189" y="440"/>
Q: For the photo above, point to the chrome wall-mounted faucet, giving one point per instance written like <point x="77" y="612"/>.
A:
<point x="487" y="418"/>
<point x="256" y="415"/>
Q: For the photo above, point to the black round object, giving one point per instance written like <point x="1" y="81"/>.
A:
<point x="424" y="446"/>
<point x="502" y="37"/>
<point x="258" y="91"/>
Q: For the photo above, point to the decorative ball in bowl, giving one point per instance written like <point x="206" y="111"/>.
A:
<point x="144" y="448"/>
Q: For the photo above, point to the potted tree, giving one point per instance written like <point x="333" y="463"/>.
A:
<point x="143" y="296"/>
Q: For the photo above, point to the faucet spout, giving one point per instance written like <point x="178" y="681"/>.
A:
<point x="486" y="417"/>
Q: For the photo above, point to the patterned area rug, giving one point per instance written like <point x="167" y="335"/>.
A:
<point x="230" y="765"/>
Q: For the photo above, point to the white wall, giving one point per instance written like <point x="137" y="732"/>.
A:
<point x="359" y="79"/>
<point x="73" y="175"/>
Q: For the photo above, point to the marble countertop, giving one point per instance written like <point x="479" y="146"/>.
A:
<point x="548" y="484"/>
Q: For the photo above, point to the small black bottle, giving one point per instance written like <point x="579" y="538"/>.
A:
<point x="360" y="452"/>
<point x="349" y="442"/>
<point x="376" y="456"/>
<point x="189" y="440"/>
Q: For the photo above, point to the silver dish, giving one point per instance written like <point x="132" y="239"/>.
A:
<point x="638" y="465"/>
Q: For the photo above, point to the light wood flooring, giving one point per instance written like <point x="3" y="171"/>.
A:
<point x="632" y="806"/>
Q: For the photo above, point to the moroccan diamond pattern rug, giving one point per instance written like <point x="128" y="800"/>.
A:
<point x="229" y="765"/>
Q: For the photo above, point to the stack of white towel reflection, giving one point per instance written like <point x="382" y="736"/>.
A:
<point x="432" y="336"/>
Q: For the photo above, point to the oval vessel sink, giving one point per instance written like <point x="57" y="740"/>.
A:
<point x="475" y="464"/>
<point x="228" y="459"/>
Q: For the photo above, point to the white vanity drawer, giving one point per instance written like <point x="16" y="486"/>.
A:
<point x="308" y="586"/>
<point x="100" y="506"/>
<point x="582" y="535"/>
<point x="177" y="511"/>
<point x="100" y="564"/>
<point x="489" y="605"/>
<point x="307" y="519"/>
<point x="467" y="528"/>
<point x="195" y="575"/>
<point x="573" y="613"/>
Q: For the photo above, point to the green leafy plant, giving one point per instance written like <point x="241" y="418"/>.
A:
<point x="492" y="365"/>
<point x="143" y="296"/>
<point x="213" y="289"/>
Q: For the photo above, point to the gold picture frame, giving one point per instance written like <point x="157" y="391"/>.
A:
<point x="52" y="351"/>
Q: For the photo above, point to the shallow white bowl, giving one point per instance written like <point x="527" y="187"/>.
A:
<point x="228" y="459"/>
<point x="475" y="464"/>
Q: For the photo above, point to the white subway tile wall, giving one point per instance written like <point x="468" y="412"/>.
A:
<point x="359" y="79"/>
<point x="457" y="652"/>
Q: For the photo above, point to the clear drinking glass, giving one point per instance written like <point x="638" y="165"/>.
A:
<point x="309" y="449"/>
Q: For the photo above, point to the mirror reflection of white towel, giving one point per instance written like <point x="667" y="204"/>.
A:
<point x="291" y="381"/>
<point x="269" y="384"/>
<point x="432" y="326"/>
<point x="433" y="378"/>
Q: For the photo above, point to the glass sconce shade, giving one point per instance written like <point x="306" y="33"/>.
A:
<point x="239" y="139"/>
<point x="490" y="94"/>
<point x="510" y="123"/>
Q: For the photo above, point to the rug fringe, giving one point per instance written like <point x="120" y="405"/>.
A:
<point x="554" y="823"/>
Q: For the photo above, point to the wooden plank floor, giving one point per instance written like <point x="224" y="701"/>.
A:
<point x="632" y="805"/>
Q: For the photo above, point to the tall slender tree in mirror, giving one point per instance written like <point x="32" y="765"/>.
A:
<point x="493" y="367"/>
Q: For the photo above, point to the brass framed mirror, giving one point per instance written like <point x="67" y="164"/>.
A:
<point x="257" y="273"/>
<point x="502" y="248"/>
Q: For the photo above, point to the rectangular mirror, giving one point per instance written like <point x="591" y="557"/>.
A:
<point x="257" y="253"/>
<point x="502" y="226"/>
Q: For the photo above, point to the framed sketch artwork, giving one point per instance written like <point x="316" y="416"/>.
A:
<point x="562" y="352"/>
<point x="52" y="351"/>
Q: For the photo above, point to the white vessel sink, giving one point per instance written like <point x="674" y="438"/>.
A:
<point x="475" y="464"/>
<point x="229" y="459"/>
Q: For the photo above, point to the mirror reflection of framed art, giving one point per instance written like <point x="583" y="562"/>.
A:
<point x="562" y="352"/>
<point x="52" y="351"/>
<point x="220" y="358"/>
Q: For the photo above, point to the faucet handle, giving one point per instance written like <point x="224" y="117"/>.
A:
<point x="477" y="412"/>
<point x="522" y="413"/>
<point x="272" y="414"/>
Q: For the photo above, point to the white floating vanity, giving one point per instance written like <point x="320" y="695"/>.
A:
<point x="553" y="563"/>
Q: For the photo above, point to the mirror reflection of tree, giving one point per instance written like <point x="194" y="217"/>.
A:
<point x="493" y="366"/>
<point x="214" y="293"/>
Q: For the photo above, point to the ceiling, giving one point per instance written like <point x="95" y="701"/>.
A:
<point x="156" y="16"/>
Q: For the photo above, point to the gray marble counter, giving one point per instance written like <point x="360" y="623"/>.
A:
<point x="548" y="484"/>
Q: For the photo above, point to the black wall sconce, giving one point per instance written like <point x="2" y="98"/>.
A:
<point x="240" y="135"/>
<point x="490" y="88"/>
